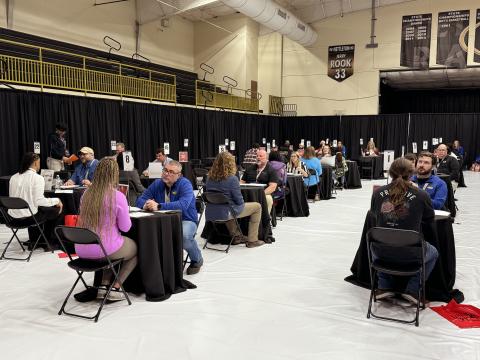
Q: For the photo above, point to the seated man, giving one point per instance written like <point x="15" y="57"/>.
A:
<point x="120" y="149"/>
<point x="174" y="192"/>
<point x="84" y="171"/>
<point x="401" y="205"/>
<point x="262" y="173"/>
<point x="28" y="185"/>
<point x="432" y="184"/>
<point x="448" y="165"/>
<point x="159" y="157"/>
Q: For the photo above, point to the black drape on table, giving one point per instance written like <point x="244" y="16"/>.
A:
<point x="26" y="117"/>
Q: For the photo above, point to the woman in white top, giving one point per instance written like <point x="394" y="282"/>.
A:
<point x="28" y="185"/>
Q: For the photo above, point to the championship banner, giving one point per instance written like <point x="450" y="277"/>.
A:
<point x="415" y="42"/>
<point x="476" y="56"/>
<point x="340" y="61"/>
<point x="452" y="38"/>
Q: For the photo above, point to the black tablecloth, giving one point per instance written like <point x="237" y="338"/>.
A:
<point x="450" y="202"/>
<point x="440" y="284"/>
<point x="327" y="183"/>
<point x="160" y="257"/>
<point x="250" y="194"/>
<point x="71" y="201"/>
<point x="146" y="181"/>
<point x="352" y="177"/>
<point x="377" y="162"/>
<point x="297" y="204"/>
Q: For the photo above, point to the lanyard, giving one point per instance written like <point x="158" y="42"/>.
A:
<point x="167" y="195"/>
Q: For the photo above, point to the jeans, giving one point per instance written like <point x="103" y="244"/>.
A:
<point x="386" y="281"/>
<point x="189" y="242"/>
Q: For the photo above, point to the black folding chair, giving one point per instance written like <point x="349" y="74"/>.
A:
<point x="200" y="206"/>
<point x="200" y="178"/>
<point x="388" y="244"/>
<point x="282" y="196"/>
<point x="77" y="235"/>
<point x="215" y="198"/>
<point x="319" y="189"/>
<point x="15" y="224"/>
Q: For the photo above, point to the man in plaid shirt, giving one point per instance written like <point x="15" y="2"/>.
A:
<point x="251" y="156"/>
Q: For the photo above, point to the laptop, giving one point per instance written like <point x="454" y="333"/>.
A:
<point x="155" y="170"/>
<point x="328" y="161"/>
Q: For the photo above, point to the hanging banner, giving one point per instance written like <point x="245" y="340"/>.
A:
<point x="415" y="42"/>
<point x="452" y="38"/>
<point x="476" y="55"/>
<point x="340" y="61"/>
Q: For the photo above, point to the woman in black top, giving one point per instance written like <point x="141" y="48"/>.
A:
<point x="401" y="205"/>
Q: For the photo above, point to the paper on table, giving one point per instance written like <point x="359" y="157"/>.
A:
<point x="441" y="213"/>
<point x="253" y="184"/>
<point x="134" y="209"/>
<point x="69" y="186"/>
<point x="63" y="191"/>
<point x="167" y="211"/>
<point x="140" y="214"/>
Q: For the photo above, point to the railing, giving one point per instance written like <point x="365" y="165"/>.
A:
<point x="225" y="97"/>
<point x="49" y="68"/>
<point x="275" y="105"/>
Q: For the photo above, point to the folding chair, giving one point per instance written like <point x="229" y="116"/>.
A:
<point x="77" y="235"/>
<point x="281" y="196"/>
<point x="200" y="178"/>
<point x="215" y="198"/>
<point x="200" y="206"/>
<point x="388" y="244"/>
<point x="15" y="224"/>
<point x="319" y="189"/>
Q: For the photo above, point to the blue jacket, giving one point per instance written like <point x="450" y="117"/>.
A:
<point x="436" y="189"/>
<point x="230" y="187"/>
<point x="312" y="163"/>
<point x="181" y="198"/>
<point x="83" y="172"/>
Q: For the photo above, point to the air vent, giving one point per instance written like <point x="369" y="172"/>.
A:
<point x="282" y="14"/>
<point x="301" y="26"/>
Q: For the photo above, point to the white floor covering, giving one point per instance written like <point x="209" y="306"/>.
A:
<point x="287" y="300"/>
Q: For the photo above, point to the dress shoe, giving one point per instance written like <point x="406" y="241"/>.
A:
<point x="194" y="267"/>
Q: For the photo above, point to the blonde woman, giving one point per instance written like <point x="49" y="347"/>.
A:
<point x="296" y="166"/>
<point x="371" y="149"/>
<point x="104" y="210"/>
<point x="222" y="179"/>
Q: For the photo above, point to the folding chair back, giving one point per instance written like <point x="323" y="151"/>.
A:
<point x="82" y="236"/>
<point x="390" y="245"/>
<point x="15" y="224"/>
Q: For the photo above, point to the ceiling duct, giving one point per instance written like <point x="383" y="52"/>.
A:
<point x="277" y="18"/>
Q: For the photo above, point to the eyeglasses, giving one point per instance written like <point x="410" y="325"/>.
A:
<point x="170" y="172"/>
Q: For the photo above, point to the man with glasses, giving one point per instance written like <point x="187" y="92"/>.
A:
<point x="174" y="192"/>
<point x="84" y="171"/>
<point x="448" y="164"/>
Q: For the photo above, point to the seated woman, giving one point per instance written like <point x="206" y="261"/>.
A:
<point x="221" y="178"/>
<point x="326" y="151"/>
<point x="340" y="169"/>
<point x="104" y="210"/>
<point x="371" y="149"/>
<point x="312" y="163"/>
<point x="296" y="166"/>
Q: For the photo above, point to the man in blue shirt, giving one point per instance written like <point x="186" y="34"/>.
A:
<point x="83" y="174"/>
<point x="432" y="184"/>
<point x="174" y="192"/>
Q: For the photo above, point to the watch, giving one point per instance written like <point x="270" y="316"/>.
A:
<point x="159" y="206"/>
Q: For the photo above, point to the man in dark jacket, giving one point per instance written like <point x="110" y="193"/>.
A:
<point x="448" y="164"/>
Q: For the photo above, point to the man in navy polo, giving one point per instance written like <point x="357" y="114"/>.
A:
<point x="174" y="192"/>
<point x="432" y="184"/>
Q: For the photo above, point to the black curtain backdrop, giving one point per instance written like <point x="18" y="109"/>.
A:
<point x="26" y="117"/>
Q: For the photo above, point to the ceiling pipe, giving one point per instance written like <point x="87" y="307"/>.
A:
<point x="277" y="18"/>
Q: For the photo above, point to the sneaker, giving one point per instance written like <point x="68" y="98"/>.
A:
<point x="411" y="298"/>
<point x="115" y="295"/>
<point x="383" y="294"/>
<point x="239" y="239"/>
<point x="256" y="243"/>
<point x="101" y="294"/>
<point x="194" y="268"/>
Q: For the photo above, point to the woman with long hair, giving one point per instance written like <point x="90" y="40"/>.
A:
<point x="222" y="179"/>
<point x="104" y="210"/>
<point x="401" y="205"/>
<point x="312" y="163"/>
<point x="371" y="149"/>
<point x="296" y="166"/>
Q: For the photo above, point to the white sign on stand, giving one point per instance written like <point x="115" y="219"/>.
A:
<point x="128" y="162"/>
<point x="308" y="143"/>
<point x="334" y="143"/>
<point x="264" y="140"/>
<point x="414" y="147"/>
<point x="48" y="176"/>
<point x="434" y="141"/>
<point x="425" y="145"/>
<point x="403" y="150"/>
<point x="388" y="157"/>
<point x="361" y="141"/>
<point x="326" y="141"/>
<point x="302" y="142"/>
<point x="36" y="147"/>
<point x="113" y="145"/>
<point x="226" y="142"/>
<point x="232" y="145"/>
<point x="185" y="142"/>
<point x="166" y="148"/>
<point x="273" y="142"/>
<point x="222" y="148"/>
<point x="440" y="140"/>
<point x="268" y="147"/>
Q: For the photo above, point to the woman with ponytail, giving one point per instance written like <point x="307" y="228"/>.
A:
<point x="401" y="205"/>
